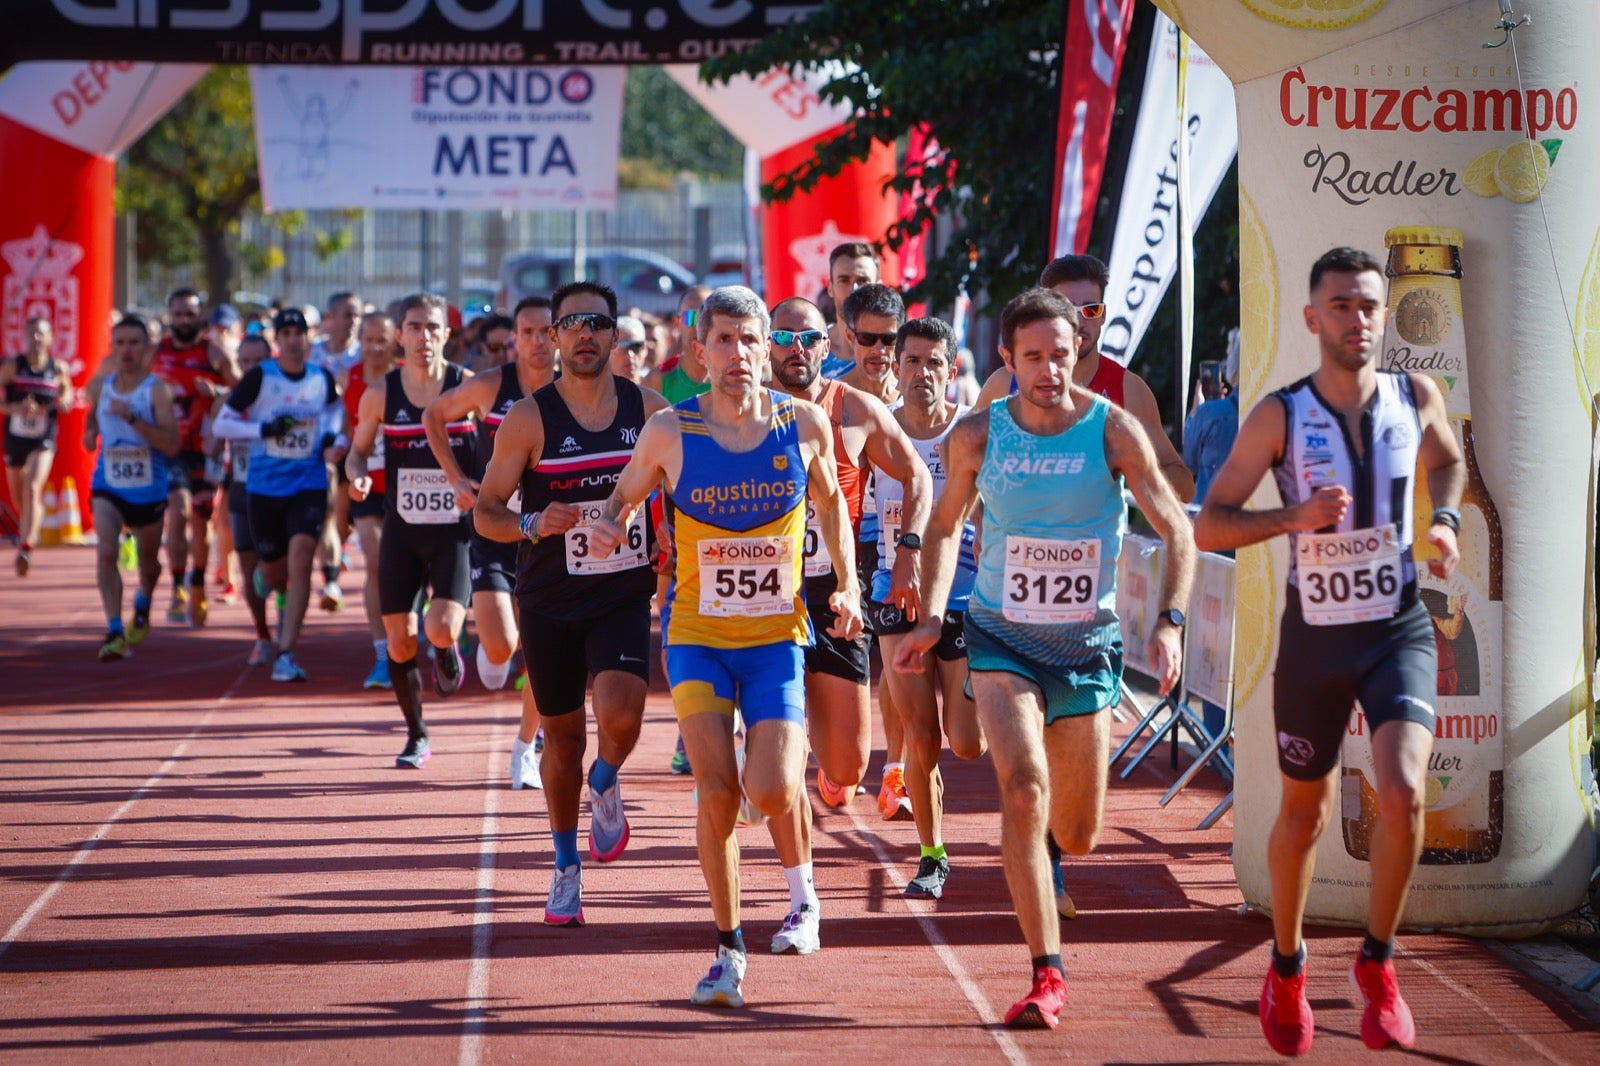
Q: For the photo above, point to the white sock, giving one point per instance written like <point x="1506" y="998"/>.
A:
<point x="802" y="891"/>
<point x="492" y="675"/>
<point x="894" y="766"/>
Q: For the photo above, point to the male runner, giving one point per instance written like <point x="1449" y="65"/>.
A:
<point x="425" y="527"/>
<point x="838" y="704"/>
<point x="337" y="351"/>
<point x="680" y="377"/>
<point x="289" y="413"/>
<point x="1044" y="646"/>
<point x="850" y="266"/>
<point x="872" y="315"/>
<point x="252" y="351"/>
<point x="738" y="463"/>
<point x="196" y="371"/>
<point x="376" y="335"/>
<point x="1374" y="644"/>
<point x="37" y="389"/>
<point x="925" y="349"/>
<point x="486" y="398"/>
<point x="131" y="420"/>
<point x="584" y="617"/>
<point x="629" y="357"/>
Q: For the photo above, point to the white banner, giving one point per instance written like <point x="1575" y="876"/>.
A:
<point x="483" y="138"/>
<point x="770" y="113"/>
<point x="1208" y="641"/>
<point x="1144" y="250"/>
<point x="100" y="108"/>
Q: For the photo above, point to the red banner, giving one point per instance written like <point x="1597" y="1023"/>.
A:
<point x="799" y="233"/>
<point x="922" y="150"/>
<point x="1096" y="37"/>
<point x="55" y="251"/>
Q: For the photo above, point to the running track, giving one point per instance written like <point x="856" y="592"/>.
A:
<point x="200" y="864"/>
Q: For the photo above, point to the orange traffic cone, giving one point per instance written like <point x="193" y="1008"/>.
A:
<point x="71" y="524"/>
<point x="49" y="518"/>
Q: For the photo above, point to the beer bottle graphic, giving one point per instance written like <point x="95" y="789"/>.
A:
<point x="1465" y="783"/>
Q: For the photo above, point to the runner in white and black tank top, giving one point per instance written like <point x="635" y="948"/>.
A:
<point x="494" y="565"/>
<point x="1353" y="625"/>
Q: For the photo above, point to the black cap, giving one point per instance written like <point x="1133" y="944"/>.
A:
<point x="292" y="318"/>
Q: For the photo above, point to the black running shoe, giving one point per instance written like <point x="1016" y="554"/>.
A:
<point x="415" y="756"/>
<point x="931" y="876"/>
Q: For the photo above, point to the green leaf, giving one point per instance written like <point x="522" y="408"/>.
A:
<point x="1551" y="146"/>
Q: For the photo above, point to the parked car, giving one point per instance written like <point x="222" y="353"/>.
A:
<point x="642" y="279"/>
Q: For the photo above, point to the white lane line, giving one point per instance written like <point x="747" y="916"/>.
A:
<point x="20" y="926"/>
<point x="980" y="1003"/>
<point x="1483" y="1008"/>
<point x="472" y="1024"/>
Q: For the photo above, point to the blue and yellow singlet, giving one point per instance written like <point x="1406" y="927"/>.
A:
<point x="738" y="535"/>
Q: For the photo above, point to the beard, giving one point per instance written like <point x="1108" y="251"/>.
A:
<point x="185" y="334"/>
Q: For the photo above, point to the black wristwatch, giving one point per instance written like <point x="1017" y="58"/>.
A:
<point x="1173" y="615"/>
<point x="909" y="540"/>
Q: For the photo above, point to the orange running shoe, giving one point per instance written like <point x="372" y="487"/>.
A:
<point x="893" y="803"/>
<point x="833" y="795"/>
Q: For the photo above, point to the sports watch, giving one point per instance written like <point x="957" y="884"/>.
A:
<point x="1173" y="615"/>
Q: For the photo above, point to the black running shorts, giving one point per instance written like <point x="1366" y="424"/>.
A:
<point x="890" y="621"/>
<point x="276" y="520"/>
<point x="413" y="557"/>
<point x="562" y="654"/>
<point x="1390" y="665"/>
<point x="134" y="515"/>
<point x="494" y="565"/>
<point x="847" y="659"/>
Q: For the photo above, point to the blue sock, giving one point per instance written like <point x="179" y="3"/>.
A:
<point x="566" y="841"/>
<point x="602" y="775"/>
<point x="141" y="603"/>
<point x="114" y="627"/>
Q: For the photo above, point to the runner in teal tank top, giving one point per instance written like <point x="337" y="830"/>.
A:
<point x="1043" y="644"/>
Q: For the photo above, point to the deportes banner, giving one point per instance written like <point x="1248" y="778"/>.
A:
<point x="1144" y="248"/>
<point x="60" y="124"/>
<point x="471" y="138"/>
<point x="1469" y="172"/>
<point x="1091" y="60"/>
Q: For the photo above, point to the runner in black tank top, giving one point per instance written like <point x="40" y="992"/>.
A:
<point x="426" y="523"/>
<point x="563" y="450"/>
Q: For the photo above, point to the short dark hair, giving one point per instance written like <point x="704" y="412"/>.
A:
<point x="1343" y="260"/>
<point x="850" y="250"/>
<point x="1034" y="305"/>
<point x="594" y="288"/>
<point x="184" y="293"/>
<point x="535" y="303"/>
<point x="1075" y="268"/>
<point x="256" y="338"/>
<point x="134" y="320"/>
<point x="376" y="316"/>
<point x="874" y="299"/>
<point x="431" y="300"/>
<point x="933" y="329"/>
<point x="341" y="297"/>
<point x="495" y="321"/>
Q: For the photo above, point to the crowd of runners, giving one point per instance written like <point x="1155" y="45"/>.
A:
<point x="779" y="493"/>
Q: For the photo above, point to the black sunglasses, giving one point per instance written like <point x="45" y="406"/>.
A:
<point x="872" y="340"/>
<point x="593" y="319"/>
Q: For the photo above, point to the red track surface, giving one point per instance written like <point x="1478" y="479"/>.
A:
<point x="199" y="863"/>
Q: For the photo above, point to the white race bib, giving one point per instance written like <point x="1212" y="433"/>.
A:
<point x="1349" y="577"/>
<point x="889" y="531"/>
<point x="746" y="577"/>
<point x="816" y="561"/>
<point x="425" y="498"/>
<point x="31" y="425"/>
<point x="1051" y="582"/>
<point x="295" y="444"/>
<point x="128" y="466"/>
<point x="580" y="557"/>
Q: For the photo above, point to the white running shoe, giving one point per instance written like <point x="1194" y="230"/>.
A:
<point x="800" y="934"/>
<point x="493" y="677"/>
<point x="723" y="984"/>
<point x="524" y="765"/>
<point x="565" y="904"/>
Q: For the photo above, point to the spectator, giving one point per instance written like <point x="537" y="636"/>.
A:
<point x="1208" y="435"/>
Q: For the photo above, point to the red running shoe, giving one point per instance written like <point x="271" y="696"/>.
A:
<point x="1285" y="1015"/>
<point x="1041" y="1007"/>
<point x="1387" y="1019"/>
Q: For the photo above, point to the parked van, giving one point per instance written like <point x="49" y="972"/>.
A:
<point x="642" y="279"/>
